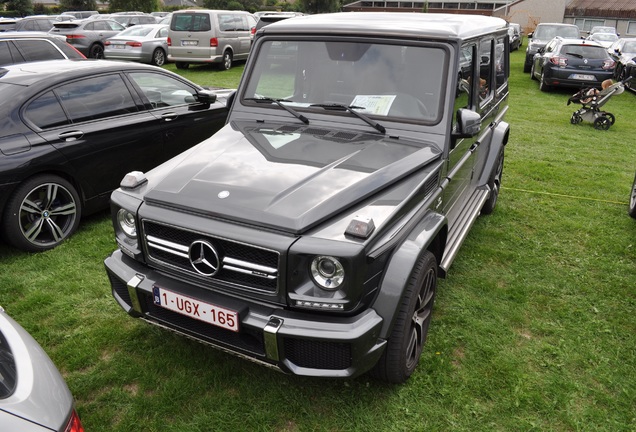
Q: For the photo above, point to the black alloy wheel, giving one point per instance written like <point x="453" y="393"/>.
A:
<point x="495" y="186"/>
<point x="96" y="52"/>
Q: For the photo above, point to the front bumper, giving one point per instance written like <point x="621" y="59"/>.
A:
<point x="294" y="342"/>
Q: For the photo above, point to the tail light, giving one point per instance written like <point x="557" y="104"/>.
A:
<point x="253" y="30"/>
<point x="214" y="42"/>
<point x="75" y="36"/>
<point x="134" y="44"/>
<point x="609" y="64"/>
<point x="559" y="61"/>
<point x="169" y="42"/>
<point x="74" y="424"/>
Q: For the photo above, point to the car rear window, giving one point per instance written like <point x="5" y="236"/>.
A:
<point x="583" y="51"/>
<point x="194" y="22"/>
<point x="548" y="32"/>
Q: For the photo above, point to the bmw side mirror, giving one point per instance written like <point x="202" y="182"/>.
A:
<point x="205" y="96"/>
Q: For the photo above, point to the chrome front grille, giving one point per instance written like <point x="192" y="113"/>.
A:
<point x="241" y="265"/>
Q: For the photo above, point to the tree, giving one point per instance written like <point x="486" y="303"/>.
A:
<point x="78" y="5"/>
<point x="134" y="5"/>
<point x="23" y="7"/>
<point x="320" y="6"/>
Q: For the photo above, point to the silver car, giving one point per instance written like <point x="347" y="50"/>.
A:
<point x="146" y="43"/>
<point x="33" y="394"/>
<point x="88" y="36"/>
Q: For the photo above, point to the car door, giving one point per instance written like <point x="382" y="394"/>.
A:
<point x="182" y="121"/>
<point x="99" y="127"/>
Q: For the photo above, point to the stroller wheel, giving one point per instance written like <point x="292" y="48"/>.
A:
<point x="576" y="119"/>
<point x="610" y="117"/>
<point x="602" y="123"/>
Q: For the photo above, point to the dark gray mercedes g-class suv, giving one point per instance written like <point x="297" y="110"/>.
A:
<point x="308" y="234"/>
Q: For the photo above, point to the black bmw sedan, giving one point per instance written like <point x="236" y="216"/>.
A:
<point x="71" y="129"/>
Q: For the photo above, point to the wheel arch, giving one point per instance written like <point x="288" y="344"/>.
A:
<point x="499" y="140"/>
<point x="428" y="235"/>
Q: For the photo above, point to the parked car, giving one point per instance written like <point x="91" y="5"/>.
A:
<point x="603" y="29"/>
<point x="632" y="200"/>
<point x="33" y="394"/>
<point x="146" y="43"/>
<point x="516" y="36"/>
<point x="41" y="23"/>
<point x="308" y="234"/>
<point x="572" y="63"/>
<point x="132" y="19"/>
<point x="210" y="36"/>
<point x="21" y="47"/>
<point x="605" y="39"/>
<point x="622" y="52"/>
<point x="268" y="18"/>
<point x="79" y="15"/>
<point x="544" y="33"/>
<point x="7" y="24"/>
<point x="72" y="129"/>
<point x="88" y="36"/>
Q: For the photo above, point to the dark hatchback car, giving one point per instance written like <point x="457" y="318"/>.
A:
<point x="71" y="129"/>
<point x="21" y="47"/>
<point x="572" y="63"/>
<point x="88" y="36"/>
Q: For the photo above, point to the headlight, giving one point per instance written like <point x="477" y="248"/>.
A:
<point x="327" y="272"/>
<point x="126" y="222"/>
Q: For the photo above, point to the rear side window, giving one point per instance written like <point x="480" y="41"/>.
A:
<point x="34" y="50"/>
<point x="194" y="22"/>
<point x="46" y="112"/>
<point x="9" y="54"/>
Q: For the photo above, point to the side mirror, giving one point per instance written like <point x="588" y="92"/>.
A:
<point x="530" y="35"/>
<point x="205" y="96"/>
<point x="468" y="123"/>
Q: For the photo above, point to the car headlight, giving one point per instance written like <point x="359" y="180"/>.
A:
<point x="327" y="272"/>
<point x="126" y="223"/>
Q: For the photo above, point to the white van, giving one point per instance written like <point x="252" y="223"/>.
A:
<point x="210" y="36"/>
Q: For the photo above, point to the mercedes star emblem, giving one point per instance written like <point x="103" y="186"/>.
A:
<point x="204" y="258"/>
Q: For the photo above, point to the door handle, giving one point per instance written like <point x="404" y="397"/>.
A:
<point x="71" y="135"/>
<point x="169" y="116"/>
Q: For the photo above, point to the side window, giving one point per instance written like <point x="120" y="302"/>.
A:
<point x="96" y="98"/>
<point x="485" y="68"/>
<point x="163" y="91"/>
<point x="5" y="53"/>
<point x="30" y="26"/>
<point x="46" y="112"/>
<point x="34" y="50"/>
<point x="163" y="32"/>
<point x="501" y="63"/>
<point x="92" y="26"/>
<point x="465" y="76"/>
<point x="226" y="22"/>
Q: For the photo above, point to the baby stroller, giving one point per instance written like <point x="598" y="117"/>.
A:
<point x="592" y="100"/>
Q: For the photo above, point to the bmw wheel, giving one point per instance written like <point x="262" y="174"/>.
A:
<point x="42" y="212"/>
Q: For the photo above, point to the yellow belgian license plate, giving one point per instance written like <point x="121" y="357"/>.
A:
<point x="202" y="311"/>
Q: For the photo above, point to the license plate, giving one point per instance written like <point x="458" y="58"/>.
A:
<point x="119" y="46"/>
<point x="583" y="77"/>
<point x="202" y="311"/>
<point x="189" y="43"/>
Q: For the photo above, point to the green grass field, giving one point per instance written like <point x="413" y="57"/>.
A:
<point x="534" y="328"/>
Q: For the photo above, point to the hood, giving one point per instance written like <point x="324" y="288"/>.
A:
<point x="288" y="178"/>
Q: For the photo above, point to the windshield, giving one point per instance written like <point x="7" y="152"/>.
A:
<point x="136" y="31"/>
<point x="548" y="32"/>
<point x="405" y="82"/>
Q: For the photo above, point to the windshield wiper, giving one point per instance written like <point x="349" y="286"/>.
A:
<point x="352" y="109"/>
<point x="279" y="102"/>
<point x="574" y="55"/>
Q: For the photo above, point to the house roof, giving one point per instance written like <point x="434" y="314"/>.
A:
<point x="605" y="8"/>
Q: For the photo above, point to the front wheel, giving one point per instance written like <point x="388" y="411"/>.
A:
<point x="413" y="319"/>
<point x="602" y="123"/>
<point x="632" y="200"/>
<point x="42" y="212"/>
<point x="158" y="57"/>
<point x="96" y="52"/>
<point x="543" y="86"/>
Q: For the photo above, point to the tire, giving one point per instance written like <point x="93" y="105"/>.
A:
<point x="542" y="85"/>
<point x="42" y="212"/>
<point x="527" y="65"/>
<point x="602" y="123"/>
<point x="181" y="65"/>
<point x="495" y="187"/>
<point x="226" y="64"/>
<point x="532" y="77"/>
<point x="96" y="52"/>
<point x="610" y="117"/>
<point x="632" y="201"/>
<point x="413" y="319"/>
<point x="576" y="119"/>
<point x="158" y="57"/>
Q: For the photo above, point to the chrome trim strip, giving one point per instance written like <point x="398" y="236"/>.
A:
<point x="132" y="285"/>
<point x="173" y="245"/>
<point x="249" y="265"/>
<point x="270" y="338"/>
<point x="249" y="272"/>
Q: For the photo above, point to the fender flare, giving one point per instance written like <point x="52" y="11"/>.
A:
<point x="498" y="141"/>
<point x="428" y="234"/>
